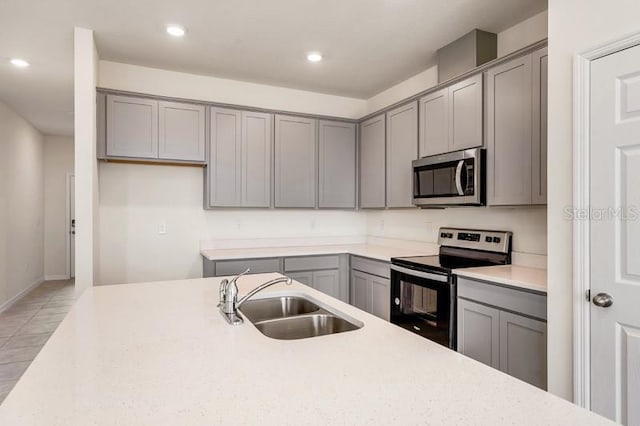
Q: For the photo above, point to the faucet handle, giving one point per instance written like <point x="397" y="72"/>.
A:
<point x="223" y="291"/>
<point x="234" y="279"/>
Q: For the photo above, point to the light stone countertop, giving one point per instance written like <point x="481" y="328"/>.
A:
<point x="510" y="275"/>
<point x="161" y="354"/>
<point x="377" y="252"/>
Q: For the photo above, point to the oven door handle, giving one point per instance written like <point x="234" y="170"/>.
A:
<point x="420" y="274"/>
<point x="459" y="177"/>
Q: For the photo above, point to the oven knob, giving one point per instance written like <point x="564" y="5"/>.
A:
<point x="488" y="239"/>
<point x="496" y="239"/>
<point x="397" y="301"/>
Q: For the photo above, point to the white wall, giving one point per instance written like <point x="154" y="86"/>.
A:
<point x="58" y="164"/>
<point x="21" y="206"/>
<point x="159" y="82"/>
<point x="574" y="25"/>
<point x="86" y="167"/>
<point x="523" y="34"/>
<point x="528" y="224"/>
<point x="516" y="37"/>
<point x="136" y="199"/>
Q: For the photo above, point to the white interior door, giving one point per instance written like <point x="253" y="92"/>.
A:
<point x="72" y="226"/>
<point x="615" y="236"/>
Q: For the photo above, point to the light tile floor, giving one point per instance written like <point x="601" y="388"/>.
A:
<point x="27" y="325"/>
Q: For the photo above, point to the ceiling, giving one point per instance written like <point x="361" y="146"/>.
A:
<point x="368" y="45"/>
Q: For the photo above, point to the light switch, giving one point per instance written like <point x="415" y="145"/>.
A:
<point x="162" y="229"/>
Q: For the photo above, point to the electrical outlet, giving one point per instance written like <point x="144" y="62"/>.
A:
<point x="162" y="228"/>
<point x="312" y="224"/>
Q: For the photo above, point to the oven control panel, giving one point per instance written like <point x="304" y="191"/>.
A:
<point x="497" y="241"/>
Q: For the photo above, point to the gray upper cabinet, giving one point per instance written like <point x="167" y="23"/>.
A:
<point x="539" y="141"/>
<point x="240" y="158"/>
<point x="434" y="123"/>
<point x="373" y="163"/>
<point x="295" y="161"/>
<point x="336" y="164"/>
<point x="132" y="127"/>
<point x="451" y="119"/>
<point x="465" y="114"/>
<point x="225" y="158"/>
<point x="509" y="133"/>
<point x="101" y="124"/>
<point x="402" y="149"/>
<point x="141" y="128"/>
<point x="257" y="159"/>
<point x="181" y="132"/>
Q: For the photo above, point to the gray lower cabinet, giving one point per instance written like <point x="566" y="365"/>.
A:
<point x="516" y="131"/>
<point x="221" y="268"/>
<point x="240" y="154"/>
<point x="181" y="132"/>
<point x="505" y="328"/>
<point x="402" y="149"/>
<point x="373" y="163"/>
<point x="147" y="129"/>
<point x="295" y="161"/>
<point x="371" y="292"/>
<point x="336" y="164"/>
<point x="327" y="273"/>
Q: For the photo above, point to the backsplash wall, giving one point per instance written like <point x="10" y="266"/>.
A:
<point x="528" y="224"/>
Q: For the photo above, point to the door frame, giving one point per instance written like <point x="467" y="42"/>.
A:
<point x="67" y="226"/>
<point x="581" y="201"/>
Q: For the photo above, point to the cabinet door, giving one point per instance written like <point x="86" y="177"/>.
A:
<point x="380" y="298"/>
<point x="225" y="158"/>
<point x="359" y="290"/>
<point x="509" y="133"/>
<point x="465" y="114"/>
<point x="295" y="161"/>
<point x="257" y="157"/>
<point x="479" y="332"/>
<point x="372" y="162"/>
<point x="132" y="127"/>
<point x="337" y="164"/>
<point x="101" y="125"/>
<point x="305" y="278"/>
<point x="434" y="123"/>
<point x="523" y="348"/>
<point x="327" y="282"/>
<point x="402" y="149"/>
<point x="539" y="138"/>
<point x="181" y="133"/>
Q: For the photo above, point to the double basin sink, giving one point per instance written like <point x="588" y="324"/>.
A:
<point x="294" y="317"/>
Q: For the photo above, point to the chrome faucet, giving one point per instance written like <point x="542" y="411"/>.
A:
<point x="229" y="302"/>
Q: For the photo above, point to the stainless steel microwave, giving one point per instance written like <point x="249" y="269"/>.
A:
<point x="452" y="179"/>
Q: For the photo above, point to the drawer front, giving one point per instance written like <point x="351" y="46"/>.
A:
<point x="311" y="263"/>
<point x="531" y="304"/>
<point x="258" y="266"/>
<point x="369" y="266"/>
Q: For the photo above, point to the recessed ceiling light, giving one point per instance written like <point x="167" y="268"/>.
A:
<point x="176" y="30"/>
<point x="20" y="63"/>
<point x="314" y="57"/>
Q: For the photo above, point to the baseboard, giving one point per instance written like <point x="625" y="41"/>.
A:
<point x="56" y="277"/>
<point x="19" y="296"/>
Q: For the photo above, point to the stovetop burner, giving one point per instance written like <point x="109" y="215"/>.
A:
<point x="463" y="248"/>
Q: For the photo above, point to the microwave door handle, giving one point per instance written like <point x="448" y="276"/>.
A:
<point x="459" y="177"/>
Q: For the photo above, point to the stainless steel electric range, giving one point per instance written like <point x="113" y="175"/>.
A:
<point x="423" y="288"/>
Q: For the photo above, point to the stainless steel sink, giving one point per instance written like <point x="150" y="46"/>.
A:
<point x="295" y="317"/>
<point x="303" y="326"/>
<point x="277" y="307"/>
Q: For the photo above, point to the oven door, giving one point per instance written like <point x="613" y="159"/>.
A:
<point x="422" y="302"/>
<point x="449" y="179"/>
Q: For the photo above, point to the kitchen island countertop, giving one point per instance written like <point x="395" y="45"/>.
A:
<point x="161" y="354"/>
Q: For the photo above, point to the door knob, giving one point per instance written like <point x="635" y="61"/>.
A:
<point x="603" y="300"/>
